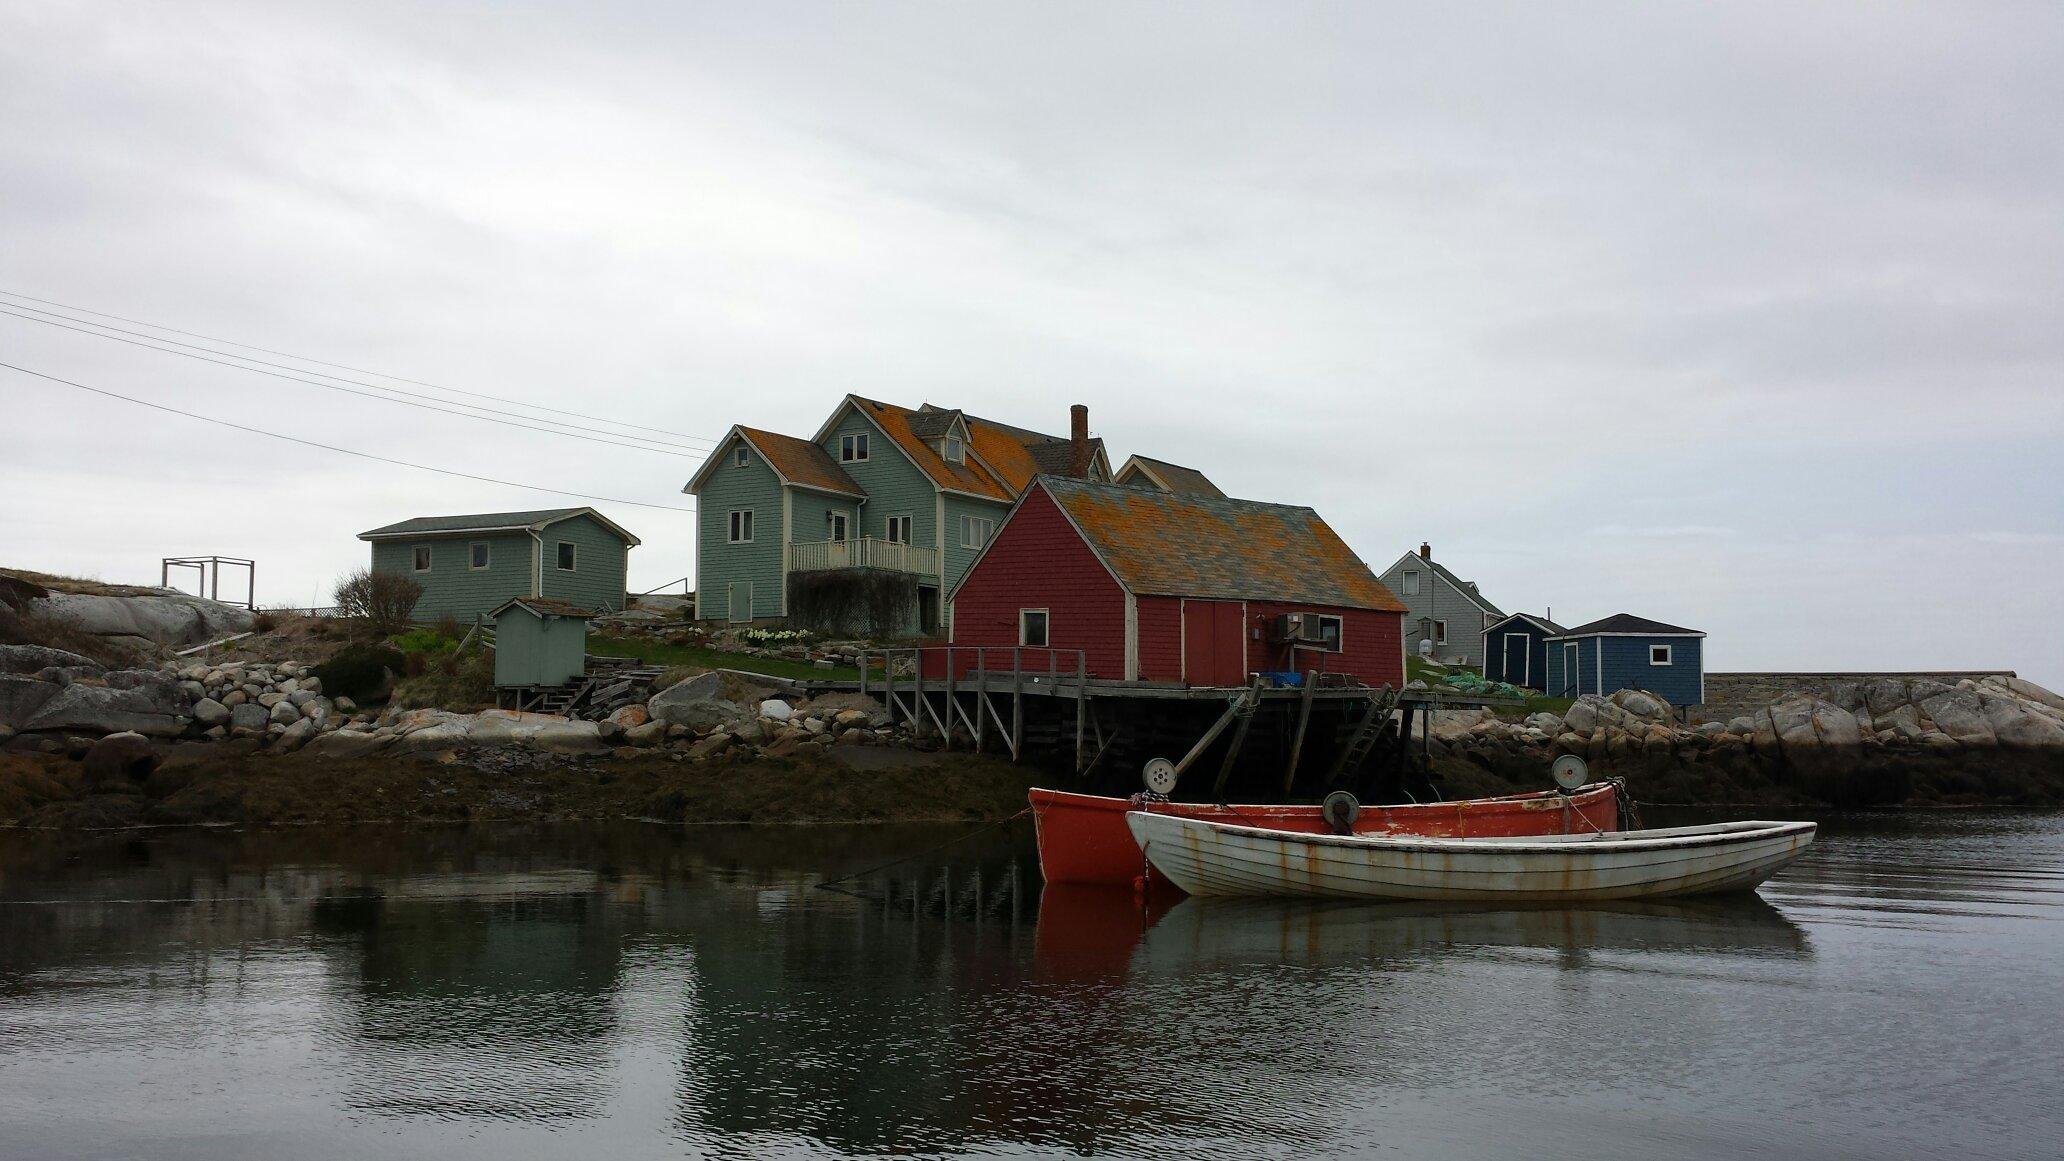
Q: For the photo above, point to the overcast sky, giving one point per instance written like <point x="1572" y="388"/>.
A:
<point x="1744" y="317"/>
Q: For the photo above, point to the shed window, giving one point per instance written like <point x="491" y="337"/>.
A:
<point x="566" y="556"/>
<point x="741" y="457"/>
<point x="852" y="448"/>
<point x="954" y="451"/>
<point x="1440" y="632"/>
<point x="898" y="530"/>
<point x="1659" y="655"/>
<point x="1329" y="631"/>
<point x="1032" y="627"/>
<point x="421" y="558"/>
<point x="741" y="527"/>
<point x="835" y="525"/>
<point x="476" y="554"/>
<point x="975" y="531"/>
<point x="1411" y="584"/>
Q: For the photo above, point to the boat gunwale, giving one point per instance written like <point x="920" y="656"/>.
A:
<point x="1667" y="838"/>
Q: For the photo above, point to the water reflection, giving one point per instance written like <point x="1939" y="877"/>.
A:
<point x="637" y="991"/>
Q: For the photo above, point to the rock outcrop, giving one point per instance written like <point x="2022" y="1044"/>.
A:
<point x="167" y="619"/>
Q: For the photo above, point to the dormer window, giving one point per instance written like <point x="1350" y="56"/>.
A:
<point x="953" y="450"/>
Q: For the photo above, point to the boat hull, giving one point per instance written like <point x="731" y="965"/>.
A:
<point x="1083" y="837"/>
<point x="1208" y="858"/>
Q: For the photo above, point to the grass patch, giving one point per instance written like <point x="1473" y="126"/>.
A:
<point x="660" y="653"/>
<point x="468" y="688"/>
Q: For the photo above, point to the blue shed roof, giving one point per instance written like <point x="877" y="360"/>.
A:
<point x="1629" y="625"/>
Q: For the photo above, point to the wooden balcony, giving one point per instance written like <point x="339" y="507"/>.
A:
<point x="866" y="552"/>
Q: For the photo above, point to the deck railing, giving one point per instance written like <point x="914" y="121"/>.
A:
<point x="866" y="552"/>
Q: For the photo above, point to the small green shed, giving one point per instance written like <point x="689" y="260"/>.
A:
<point x="539" y="642"/>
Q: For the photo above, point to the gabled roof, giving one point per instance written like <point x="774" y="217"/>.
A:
<point x="895" y="422"/>
<point x="1016" y="454"/>
<point x="1627" y="624"/>
<point x="796" y="462"/>
<point x="1466" y="588"/>
<point x="1172" y="544"/>
<point x="543" y="607"/>
<point x="1168" y="477"/>
<point x="419" y="526"/>
<point x="1057" y="457"/>
<point x="1543" y="623"/>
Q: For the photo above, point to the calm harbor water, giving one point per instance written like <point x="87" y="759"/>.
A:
<point x="631" y="992"/>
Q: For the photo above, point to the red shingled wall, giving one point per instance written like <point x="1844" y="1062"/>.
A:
<point x="1038" y="561"/>
<point x="1160" y="639"/>
<point x="1373" y="643"/>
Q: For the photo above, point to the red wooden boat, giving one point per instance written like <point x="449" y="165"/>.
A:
<point x="1083" y="837"/>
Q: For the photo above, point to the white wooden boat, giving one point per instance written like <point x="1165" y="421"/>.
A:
<point x="1215" y="858"/>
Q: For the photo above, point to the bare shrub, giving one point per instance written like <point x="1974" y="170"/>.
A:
<point x="383" y="598"/>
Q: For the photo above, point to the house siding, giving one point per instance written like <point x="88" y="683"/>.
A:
<point x="957" y="558"/>
<point x="452" y="587"/>
<point x="1159" y="621"/>
<point x="600" y="558"/>
<point x="1038" y="561"/>
<point x="719" y="563"/>
<point x="1438" y="600"/>
<point x="894" y="485"/>
<point x="1627" y="667"/>
<point x="1529" y="670"/>
<point x="1370" y="639"/>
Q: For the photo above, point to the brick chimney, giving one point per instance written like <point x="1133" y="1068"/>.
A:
<point x="1078" y="441"/>
<point x="1425" y="551"/>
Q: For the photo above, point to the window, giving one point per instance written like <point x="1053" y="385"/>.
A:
<point x="1411" y="584"/>
<point x="741" y="527"/>
<point x="476" y="555"/>
<point x="1329" y="631"/>
<point x="741" y="457"/>
<point x="898" y="530"/>
<point x="852" y="448"/>
<point x="422" y="558"/>
<point x="975" y="531"/>
<point x="954" y="451"/>
<point x="566" y="556"/>
<point x="1440" y="632"/>
<point x="1659" y="655"/>
<point x="1032" y="627"/>
<point x="834" y="525"/>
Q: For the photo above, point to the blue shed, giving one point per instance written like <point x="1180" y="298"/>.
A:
<point x="1515" y="650"/>
<point x="1628" y="652"/>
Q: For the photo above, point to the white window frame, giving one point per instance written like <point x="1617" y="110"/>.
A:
<point x="1440" y="632"/>
<point x="968" y="524"/>
<point x="1339" y="631"/>
<point x="741" y="456"/>
<point x="1410" y="582"/>
<point x="566" y="550"/>
<point x="1045" y="625"/>
<point x="838" y="526"/>
<point x="419" y="558"/>
<point x="953" y="450"/>
<point x="889" y="526"/>
<point x="479" y="549"/>
<point x="1669" y="655"/>
<point x="852" y="448"/>
<point x="745" y="525"/>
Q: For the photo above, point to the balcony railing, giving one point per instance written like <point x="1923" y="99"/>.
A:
<point x="866" y="552"/>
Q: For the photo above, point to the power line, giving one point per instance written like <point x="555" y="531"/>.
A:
<point x="347" y="367"/>
<point x="505" y="422"/>
<point x="5" y="308"/>
<point x="343" y="450"/>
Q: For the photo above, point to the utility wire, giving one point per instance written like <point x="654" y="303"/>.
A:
<point x="343" y="450"/>
<point x="505" y="422"/>
<point x="347" y="367"/>
<point x="9" y="308"/>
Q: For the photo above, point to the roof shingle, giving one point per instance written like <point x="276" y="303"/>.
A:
<point x="1629" y="623"/>
<point x="802" y="462"/>
<point x="483" y="521"/>
<point x="1177" y="477"/>
<point x="1182" y="545"/>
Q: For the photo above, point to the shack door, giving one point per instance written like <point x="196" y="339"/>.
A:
<point x="1571" y="671"/>
<point x="1213" y="649"/>
<point x="1517" y="669"/>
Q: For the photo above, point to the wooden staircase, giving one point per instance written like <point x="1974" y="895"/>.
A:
<point x="608" y="684"/>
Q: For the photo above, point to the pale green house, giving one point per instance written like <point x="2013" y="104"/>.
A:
<point x="863" y="526"/>
<point x="469" y="565"/>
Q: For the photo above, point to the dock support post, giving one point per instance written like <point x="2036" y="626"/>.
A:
<point x="1081" y="704"/>
<point x="1252" y="701"/>
<point x="1017" y="733"/>
<point x="1303" y="720"/>
<point x="951" y="703"/>
<point x="981" y="696"/>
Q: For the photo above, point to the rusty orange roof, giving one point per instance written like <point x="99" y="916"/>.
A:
<point x="801" y="462"/>
<point x="1186" y="545"/>
<point x="895" y="422"/>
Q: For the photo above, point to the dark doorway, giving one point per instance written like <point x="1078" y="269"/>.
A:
<point x="928" y="611"/>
